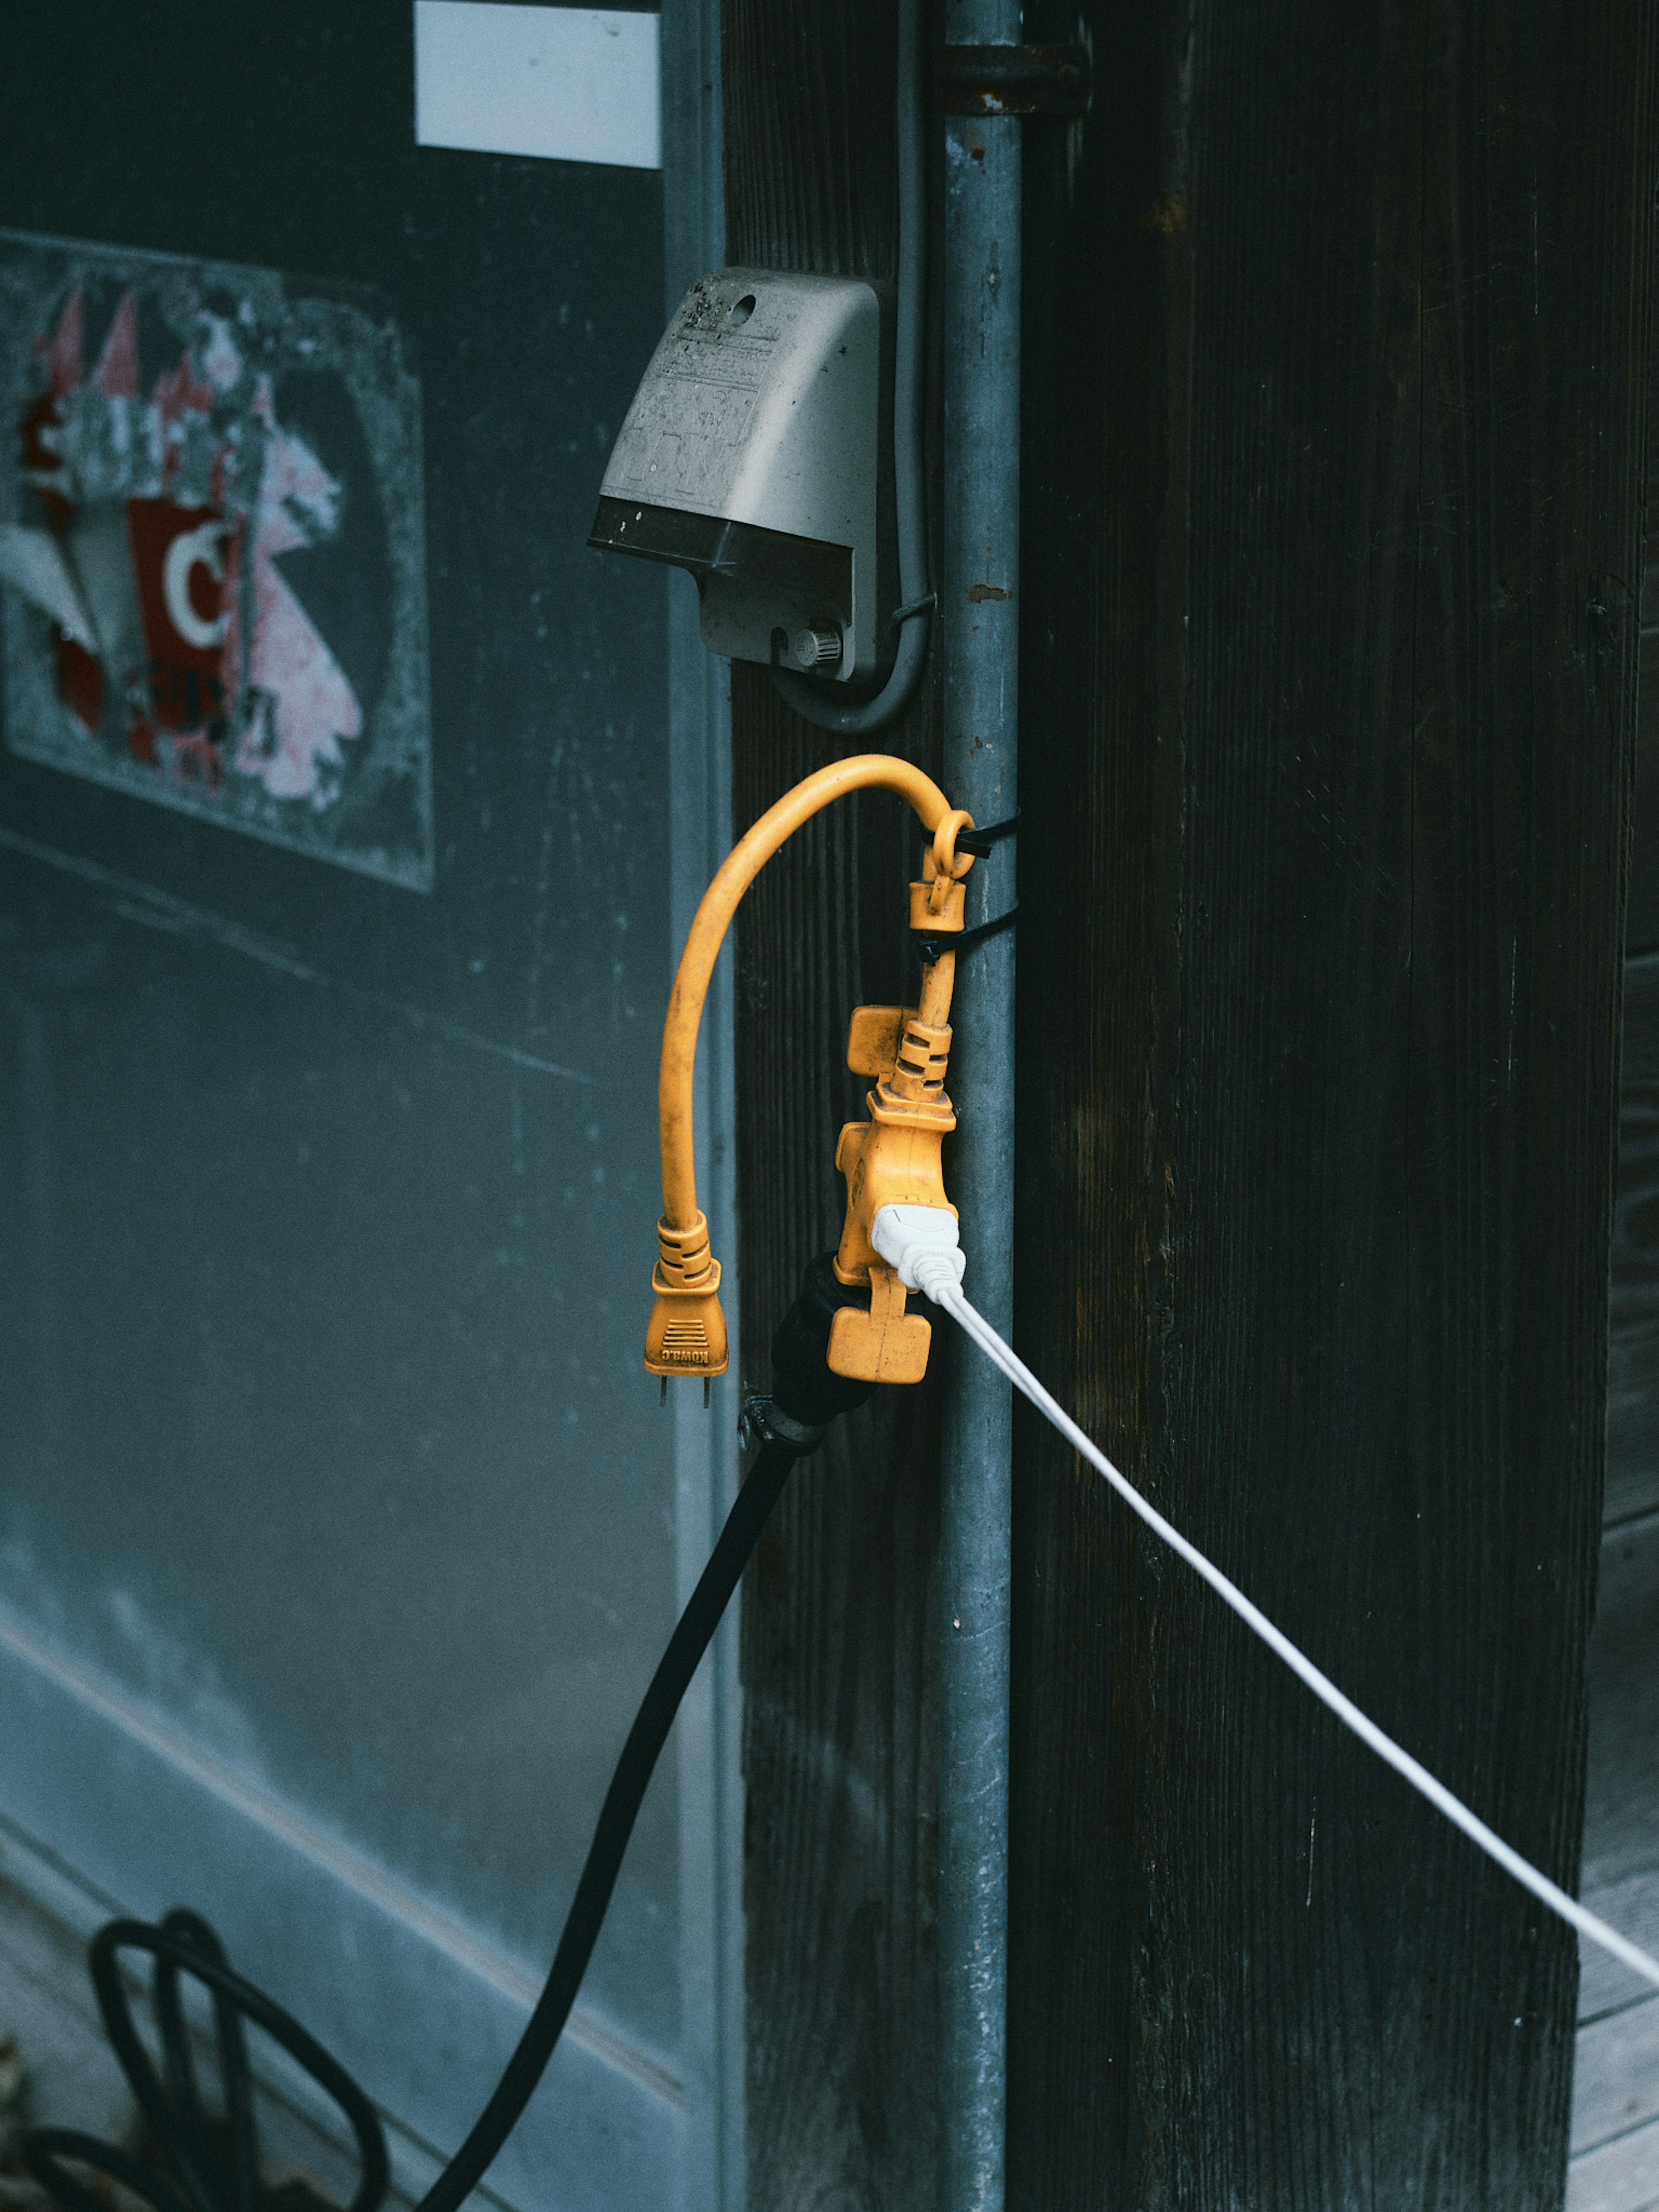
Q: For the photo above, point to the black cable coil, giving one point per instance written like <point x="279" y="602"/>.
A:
<point x="212" y="2164"/>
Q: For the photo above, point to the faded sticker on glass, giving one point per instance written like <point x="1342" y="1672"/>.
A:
<point x="212" y="548"/>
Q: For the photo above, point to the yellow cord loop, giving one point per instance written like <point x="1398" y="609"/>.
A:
<point x="687" y="1332"/>
<point x="949" y="867"/>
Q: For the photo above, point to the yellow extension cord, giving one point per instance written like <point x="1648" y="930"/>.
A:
<point x="686" y="1334"/>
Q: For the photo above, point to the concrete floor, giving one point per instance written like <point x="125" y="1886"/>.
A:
<point x="63" y="2072"/>
<point x="1615" y="2131"/>
<point x="1615" y="2121"/>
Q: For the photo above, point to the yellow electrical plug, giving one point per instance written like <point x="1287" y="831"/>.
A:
<point x="893" y="1158"/>
<point x="686" y="1334"/>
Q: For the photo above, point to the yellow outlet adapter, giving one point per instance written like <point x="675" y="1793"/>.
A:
<point x="892" y="1159"/>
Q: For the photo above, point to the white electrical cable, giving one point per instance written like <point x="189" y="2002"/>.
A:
<point x="922" y="1265"/>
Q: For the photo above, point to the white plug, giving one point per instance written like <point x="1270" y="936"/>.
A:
<point x="919" y="1243"/>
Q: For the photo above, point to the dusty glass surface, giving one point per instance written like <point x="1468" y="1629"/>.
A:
<point x="326" y="1203"/>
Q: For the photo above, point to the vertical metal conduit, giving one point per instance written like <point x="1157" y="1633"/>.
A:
<point x="979" y="611"/>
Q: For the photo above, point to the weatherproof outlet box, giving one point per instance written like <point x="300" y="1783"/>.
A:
<point x="749" y="457"/>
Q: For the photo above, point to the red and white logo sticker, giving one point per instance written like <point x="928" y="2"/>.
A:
<point x="162" y="634"/>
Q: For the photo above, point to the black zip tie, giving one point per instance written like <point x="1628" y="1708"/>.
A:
<point x="1045" y="80"/>
<point x="959" y="940"/>
<point x="980" y="842"/>
<point x="922" y="606"/>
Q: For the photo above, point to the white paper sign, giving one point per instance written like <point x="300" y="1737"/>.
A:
<point x="567" y="84"/>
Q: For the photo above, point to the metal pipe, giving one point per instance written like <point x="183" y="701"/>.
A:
<point x="979" y="611"/>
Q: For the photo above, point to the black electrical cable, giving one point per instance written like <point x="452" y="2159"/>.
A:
<point x="760" y="1490"/>
<point x="214" y="2164"/>
<point x="824" y="703"/>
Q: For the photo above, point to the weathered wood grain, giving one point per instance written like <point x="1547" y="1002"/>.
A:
<point x="1337" y="356"/>
<point x="1632" y="1485"/>
<point x="840" y="1622"/>
<point x="1335" y="368"/>
<point x="1615" y="2089"/>
<point x="1621" y="1802"/>
<point x="1642" y="913"/>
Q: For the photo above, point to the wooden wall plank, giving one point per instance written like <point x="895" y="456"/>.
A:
<point x="1642" y="908"/>
<point x="1632" y="1484"/>
<point x="1615" y="2081"/>
<point x="1621" y="1847"/>
<point x="1334" y="390"/>
<point x="840" y="1611"/>
<point x="1333" y="474"/>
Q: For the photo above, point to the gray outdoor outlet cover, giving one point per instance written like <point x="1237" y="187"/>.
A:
<point x="749" y="456"/>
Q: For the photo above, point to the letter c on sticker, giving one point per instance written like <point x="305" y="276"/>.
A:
<point x="194" y="548"/>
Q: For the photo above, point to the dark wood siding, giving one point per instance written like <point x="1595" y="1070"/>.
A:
<point x="1336" y="339"/>
<point x="1333" y="529"/>
<point x="841" y="1731"/>
<point x="1615" y="2102"/>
